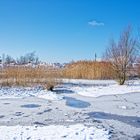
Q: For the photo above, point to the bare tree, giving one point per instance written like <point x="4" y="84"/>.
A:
<point x="122" y="54"/>
<point x="138" y="50"/>
<point x="9" y="59"/>
<point x="28" y="58"/>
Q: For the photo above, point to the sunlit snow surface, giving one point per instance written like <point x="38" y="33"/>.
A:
<point x="21" y="92"/>
<point x="97" y="88"/>
<point x="53" y="132"/>
<point x="90" y="88"/>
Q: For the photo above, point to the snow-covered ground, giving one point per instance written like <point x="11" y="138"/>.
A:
<point x="90" y="88"/>
<point x="53" y="132"/>
<point x="105" y="90"/>
<point x="21" y="92"/>
<point x="96" y="88"/>
<point x="13" y="113"/>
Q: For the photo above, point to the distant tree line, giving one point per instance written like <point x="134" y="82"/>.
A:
<point x="22" y="60"/>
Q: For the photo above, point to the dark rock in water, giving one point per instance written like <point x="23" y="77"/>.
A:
<point x="30" y="105"/>
<point x="76" y="103"/>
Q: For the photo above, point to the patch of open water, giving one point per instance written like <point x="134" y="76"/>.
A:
<point x="76" y="103"/>
<point x="30" y="106"/>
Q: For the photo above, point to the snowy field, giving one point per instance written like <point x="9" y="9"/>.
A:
<point x="71" y="89"/>
<point x="53" y="132"/>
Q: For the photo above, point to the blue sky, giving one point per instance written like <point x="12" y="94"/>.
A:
<point x="63" y="30"/>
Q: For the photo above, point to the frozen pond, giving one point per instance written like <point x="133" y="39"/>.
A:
<point x="72" y="103"/>
<point x="76" y="103"/>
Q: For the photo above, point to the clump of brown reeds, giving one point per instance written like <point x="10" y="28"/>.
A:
<point x="29" y="76"/>
<point x="88" y="70"/>
<point x="49" y="77"/>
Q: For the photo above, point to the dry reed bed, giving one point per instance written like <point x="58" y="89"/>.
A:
<point x="89" y="70"/>
<point x="48" y="76"/>
<point x="29" y="76"/>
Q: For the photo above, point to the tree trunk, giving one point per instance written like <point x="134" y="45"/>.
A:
<point x="122" y="79"/>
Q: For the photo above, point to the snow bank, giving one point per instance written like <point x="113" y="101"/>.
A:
<point x="53" y="132"/>
<point x="109" y="90"/>
<point x="85" y="81"/>
<point x="103" y="87"/>
<point x="49" y="95"/>
<point x="21" y="92"/>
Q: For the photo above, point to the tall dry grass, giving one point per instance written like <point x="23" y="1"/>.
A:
<point x="29" y="76"/>
<point x="88" y="70"/>
<point x="49" y="77"/>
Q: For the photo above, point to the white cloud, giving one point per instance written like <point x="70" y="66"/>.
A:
<point x="95" y="23"/>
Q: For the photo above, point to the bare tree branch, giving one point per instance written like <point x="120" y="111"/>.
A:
<point x="122" y="54"/>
